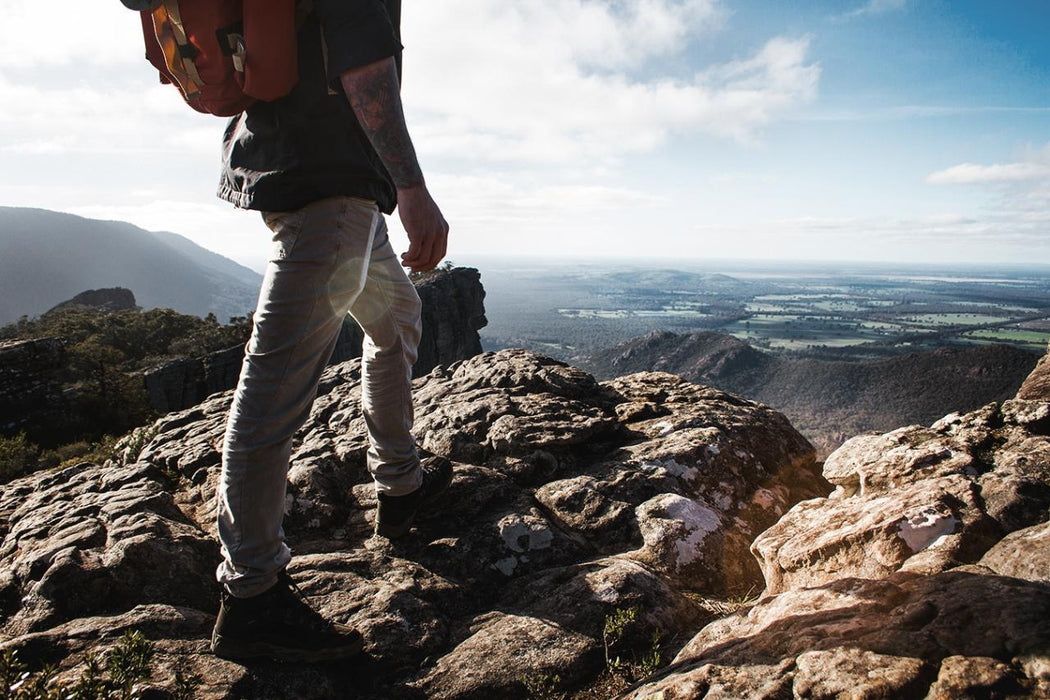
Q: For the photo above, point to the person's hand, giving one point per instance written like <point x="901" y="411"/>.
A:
<point x="426" y="228"/>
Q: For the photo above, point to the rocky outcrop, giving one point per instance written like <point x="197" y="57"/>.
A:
<point x="571" y="499"/>
<point x="1037" y="385"/>
<point x="31" y="376"/>
<point x="926" y="573"/>
<point x="453" y="312"/>
<point x="180" y="384"/>
<point x="112" y="299"/>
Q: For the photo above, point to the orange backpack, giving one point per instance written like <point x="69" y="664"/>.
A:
<point x="222" y="54"/>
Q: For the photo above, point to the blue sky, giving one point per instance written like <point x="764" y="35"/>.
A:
<point x="890" y="130"/>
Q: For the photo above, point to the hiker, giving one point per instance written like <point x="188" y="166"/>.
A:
<point x="323" y="165"/>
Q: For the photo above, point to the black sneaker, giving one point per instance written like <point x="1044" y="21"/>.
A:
<point x="279" y="624"/>
<point x="395" y="514"/>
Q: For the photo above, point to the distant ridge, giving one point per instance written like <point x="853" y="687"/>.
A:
<point x="47" y="257"/>
<point x="828" y="400"/>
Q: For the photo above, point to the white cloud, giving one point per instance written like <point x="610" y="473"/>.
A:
<point x="972" y="174"/>
<point x="546" y="81"/>
<point x="876" y="7"/>
<point x="95" y="116"/>
<point x="69" y="34"/>
<point x="947" y="237"/>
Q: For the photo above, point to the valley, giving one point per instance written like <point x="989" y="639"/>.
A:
<point x="840" y="351"/>
<point x="819" y="310"/>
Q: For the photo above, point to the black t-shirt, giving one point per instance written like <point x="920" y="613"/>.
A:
<point x="308" y="145"/>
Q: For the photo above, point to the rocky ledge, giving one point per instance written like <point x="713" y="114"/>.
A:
<point x="572" y="499"/>
<point x="917" y="566"/>
<point x="925" y="574"/>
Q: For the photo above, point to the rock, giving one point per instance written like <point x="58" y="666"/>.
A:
<point x="95" y="540"/>
<point x="1037" y="385"/>
<point x="1024" y="554"/>
<point x="180" y="384"/>
<point x="926" y="573"/>
<point x="509" y="579"/>
<point x="909" y="635"/>
<point x="112" y="299"/>
<point x="31" y="375"/>
<point x="453" y="313"/>
<point x="529" y="647"/>
<point x="917" y="499"/>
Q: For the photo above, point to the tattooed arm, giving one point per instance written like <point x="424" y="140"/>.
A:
<point x="374" y="94"/>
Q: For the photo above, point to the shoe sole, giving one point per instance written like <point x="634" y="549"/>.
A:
<point x="243" y="651"/>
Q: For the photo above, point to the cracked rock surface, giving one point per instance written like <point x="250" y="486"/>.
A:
<point x="571" y="499"/>
<point x="925" y="573"/>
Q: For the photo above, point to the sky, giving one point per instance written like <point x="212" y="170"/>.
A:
<point x="858" y="130"/>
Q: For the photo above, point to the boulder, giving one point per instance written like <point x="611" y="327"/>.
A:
<point x="1037" y="385"/>
<point x="917" y="499"/>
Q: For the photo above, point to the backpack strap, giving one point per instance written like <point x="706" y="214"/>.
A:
<point x="178" y="51"/>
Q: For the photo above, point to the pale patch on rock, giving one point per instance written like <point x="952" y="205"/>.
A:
<point x="670" y="467"/>
<point x="507" y="565"/>
<point x="605" y="592"/>
<point x="925" y="529"/>
<point x="664" y="428"/>
<point x="764" y="498"/>
<point x="676" y="525"/>
<point x="524" y="533"/>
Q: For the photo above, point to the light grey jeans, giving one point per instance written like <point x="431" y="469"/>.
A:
<point x="329" y="258"/>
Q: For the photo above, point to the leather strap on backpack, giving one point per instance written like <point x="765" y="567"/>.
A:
<point x="178" y="51"/>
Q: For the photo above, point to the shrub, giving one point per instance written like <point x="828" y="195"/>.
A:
<point x="117" y="675"/>
<point x="17" y="456"/>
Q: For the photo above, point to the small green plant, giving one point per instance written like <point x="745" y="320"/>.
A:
<point x="129" y="662"/>
<point x="423" y="276"/>
<point x="186" y="685"/>
<point x="542" y="686"/>
<point x="616" y="626"/>
<point x="653" y="658"/>
<point x="129" y="447"/>
<point x="116" y="677"/>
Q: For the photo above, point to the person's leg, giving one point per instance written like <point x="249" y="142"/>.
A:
<point x="388" y="310"/>
<point x="318" y="268"/>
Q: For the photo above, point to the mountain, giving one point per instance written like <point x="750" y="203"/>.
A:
<point x="828" y="400"/>
<point x="48" y="257"/>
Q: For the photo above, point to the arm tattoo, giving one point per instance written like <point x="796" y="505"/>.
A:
<point x="374" y="95"/>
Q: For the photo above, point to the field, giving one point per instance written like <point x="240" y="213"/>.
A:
<point x="564" y="309"/>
